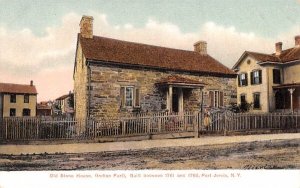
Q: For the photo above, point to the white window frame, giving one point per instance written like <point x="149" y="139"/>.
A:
<point x="132" y="96"/>
<point x="216" y="98"/>
<point x="256" y="77"/>
<point x="242" y="77"/>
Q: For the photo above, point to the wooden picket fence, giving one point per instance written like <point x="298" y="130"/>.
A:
<point x="245" y="122"/>
<point x="49" y="128"/>
<point x="70" y="128"/>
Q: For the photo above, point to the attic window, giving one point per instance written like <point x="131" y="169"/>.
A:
<point x="248" y="61"/>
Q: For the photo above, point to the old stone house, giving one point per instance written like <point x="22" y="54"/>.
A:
<point x="17" y="100"/>
<point x="113" y="76"/>
<point x="271" y="82"/>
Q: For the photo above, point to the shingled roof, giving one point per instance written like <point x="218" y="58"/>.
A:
<point x="17" y="88"/>
<point x="129" y="53"/>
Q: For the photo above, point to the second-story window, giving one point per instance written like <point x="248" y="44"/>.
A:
<point x="26" y="98"/>
<point x="13" y="98"/>
<point x="276" y="76"/>
<point x="256" y="77"/>
<point x="243" y="79"/>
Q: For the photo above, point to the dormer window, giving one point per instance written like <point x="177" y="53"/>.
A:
<point x="242" y="79"/>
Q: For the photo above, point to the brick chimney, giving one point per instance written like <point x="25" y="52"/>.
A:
<point x="278" y="48"/>
<point x="201" y="47"/>
<point x="31" y="82"/>
<point x="86" y="26"/>
<point x="297" y="41"/>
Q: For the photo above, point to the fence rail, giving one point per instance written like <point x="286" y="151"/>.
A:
<point x="142" y="124"/>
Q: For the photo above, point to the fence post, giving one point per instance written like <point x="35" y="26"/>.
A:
<point x="123" y="127"/>
<point x="5" y="129"/>
<point x="196" y="125"/>
<point x="148" y="125"/>
<point x="225" y="124"/>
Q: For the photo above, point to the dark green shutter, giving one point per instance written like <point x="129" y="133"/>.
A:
<point x="260" y="76"/>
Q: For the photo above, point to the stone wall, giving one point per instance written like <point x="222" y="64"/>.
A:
<point x="80" y="85"/>
<point x="107" y="81"/>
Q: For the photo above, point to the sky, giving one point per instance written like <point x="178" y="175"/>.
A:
<point x="38" y="37"/>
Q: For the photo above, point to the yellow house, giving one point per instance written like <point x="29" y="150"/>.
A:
<point x="17" y="100"/>
<point x="271" y="82"/>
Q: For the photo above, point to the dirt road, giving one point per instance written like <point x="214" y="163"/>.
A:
<point x="276" y="154"/>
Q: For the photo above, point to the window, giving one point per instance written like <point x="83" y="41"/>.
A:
<point x="276" y="76"/>
<point x="216" y="98"/>
<point x="256" y="99"/>
<point x="243" y="79"/>
<point x="256" y="77"/>
<point x="13" y="98"/>
<point x="26" y="112"/>
<point x="243" y="99"/>
<point x="130" y="96"/>
<point x="12" y="112"/>
<point x="26" y="98"/>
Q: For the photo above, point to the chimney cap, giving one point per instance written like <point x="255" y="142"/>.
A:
<point x="200" y="42"/>
<point x="31" y="82"/>
<point x="87" y="17"/>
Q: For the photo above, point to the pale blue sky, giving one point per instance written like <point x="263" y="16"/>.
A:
<point x="262" y="17"/>
<point x="38" y="37"/>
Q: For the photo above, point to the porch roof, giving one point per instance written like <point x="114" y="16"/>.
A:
<point x="179" y="81"/>
<point x="288" y="85"/>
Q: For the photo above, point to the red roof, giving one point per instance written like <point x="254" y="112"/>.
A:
<point x="110" y="50"/>
<point x="286" y="56"/>
<point x="17" y="88"/>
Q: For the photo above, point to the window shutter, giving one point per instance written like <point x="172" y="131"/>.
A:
<point x="260" y="76"/>
<point x="239" y="80"/>
<point x="246" y="77"/>
<point x="211" y="98"/>
<point x="251" y="78"/>
<point x="221" y="102"/>
<point x="122" y="96"/>
<point x="137" y="97"/>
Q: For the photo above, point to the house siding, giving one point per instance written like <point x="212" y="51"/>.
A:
<point x="106" y="82"/>
<point x="291" y="73"/>
<point x="249" y="90"/>
<point x="19" y="105"/>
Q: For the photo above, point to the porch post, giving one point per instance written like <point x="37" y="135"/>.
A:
<point x="180" y="98"/>
<point x="170" y="98"/>
<point x="291" y="90"/>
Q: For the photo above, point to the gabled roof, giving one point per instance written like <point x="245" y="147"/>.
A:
<point x="17" y="88"/>
<point x="63" y="97"/>
<point x="109" y="50"/>
<point x="286" y="56"/>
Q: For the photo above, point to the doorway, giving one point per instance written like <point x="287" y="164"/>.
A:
<point x="175" y="102"/>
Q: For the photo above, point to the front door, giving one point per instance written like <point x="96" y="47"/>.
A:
<point x="175" y="102"/>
